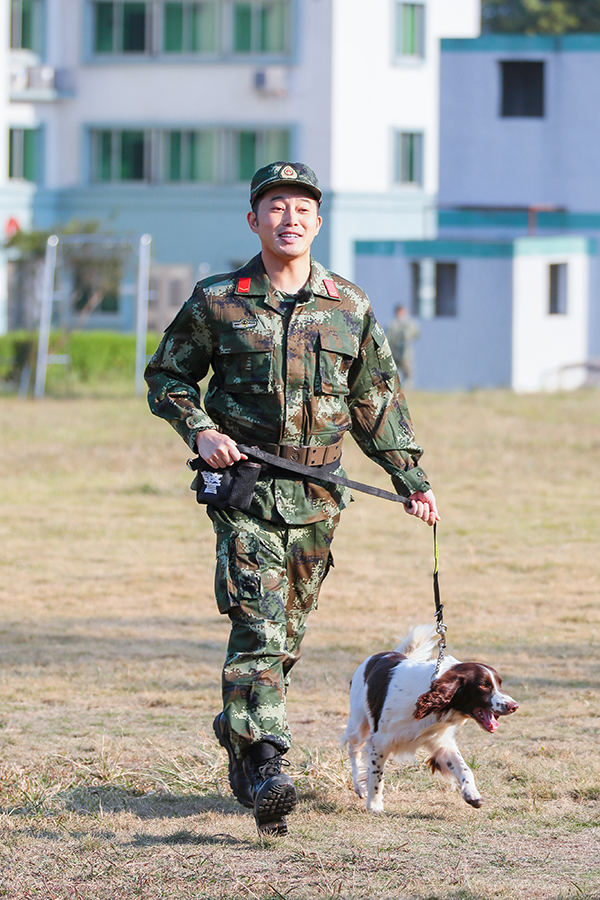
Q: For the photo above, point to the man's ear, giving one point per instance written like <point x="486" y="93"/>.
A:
<point x="252" y="221"/>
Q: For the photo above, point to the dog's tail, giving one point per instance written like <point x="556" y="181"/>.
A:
<point x="419" y="642"/>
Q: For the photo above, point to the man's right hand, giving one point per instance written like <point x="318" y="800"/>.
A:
<point x="217" y="449"/>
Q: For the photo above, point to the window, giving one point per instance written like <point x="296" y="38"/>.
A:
<point x="190" y="27"/>
<point x="522" y="89"/>
<point x="121" y="27"/>
<point x="253" y="149"/>
<point x="24" y="153"/>
<point x="119" y="155"/>
<point x="260" y="26"/>
<point x="190" y="156"/>
<point x="558" y="289"/>
<point x="27" y="25"/>
<point x="433" y="289"/>
<point x="202" y="156"/>
<point x="211" y="27"/>
<point x="445" y="289"/>
<point x="410" y="30"/>
<point x="409" y="158"/>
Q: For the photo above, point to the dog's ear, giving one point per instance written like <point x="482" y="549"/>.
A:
<point x="439" y="697"/>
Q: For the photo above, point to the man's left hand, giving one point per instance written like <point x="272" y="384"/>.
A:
<point x="423" y="506"/>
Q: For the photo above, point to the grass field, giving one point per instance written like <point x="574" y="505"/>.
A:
<point x="111" y="784"/>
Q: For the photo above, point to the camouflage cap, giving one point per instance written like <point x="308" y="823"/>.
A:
<point x="284" y="173"/>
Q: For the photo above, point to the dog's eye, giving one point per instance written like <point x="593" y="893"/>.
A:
<point x="483" y="687"/>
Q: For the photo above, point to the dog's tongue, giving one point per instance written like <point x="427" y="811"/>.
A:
<point x="487" y="720"/>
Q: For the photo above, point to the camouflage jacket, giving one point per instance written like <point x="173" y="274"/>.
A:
<point x="299" y="376"/>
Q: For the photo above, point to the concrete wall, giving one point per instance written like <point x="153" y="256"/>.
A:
<point x="490" y="160"/>
<point x="542" y="343"/>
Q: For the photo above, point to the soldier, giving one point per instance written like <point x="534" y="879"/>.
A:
<point x="298" y="359"/>
<point x="401" y="332"/>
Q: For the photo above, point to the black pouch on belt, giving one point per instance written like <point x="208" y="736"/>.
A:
<point x="229" y="488"/>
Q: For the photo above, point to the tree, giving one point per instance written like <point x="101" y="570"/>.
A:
<point x="540" y="16"/>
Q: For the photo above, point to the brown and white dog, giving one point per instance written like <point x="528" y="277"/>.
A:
<point x="395" y="709"/>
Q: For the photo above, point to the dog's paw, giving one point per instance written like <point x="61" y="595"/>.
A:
<point x="375" y="807"/>
<point x="360" y="790"/>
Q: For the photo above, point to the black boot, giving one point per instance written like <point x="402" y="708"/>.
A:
<point x="238" y="781"/>
<point x="274" y="793"/>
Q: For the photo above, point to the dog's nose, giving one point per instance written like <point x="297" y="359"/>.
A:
<point x="511" y="706"/>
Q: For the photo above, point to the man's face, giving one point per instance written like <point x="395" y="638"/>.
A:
<point x="287" y="221"/>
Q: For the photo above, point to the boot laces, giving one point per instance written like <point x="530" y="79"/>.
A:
<point x="271" y="767"/>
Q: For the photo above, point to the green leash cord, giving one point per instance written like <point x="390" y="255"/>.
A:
<point x="439" y="606"/>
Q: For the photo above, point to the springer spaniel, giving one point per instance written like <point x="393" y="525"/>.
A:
<point x="396" y="709"/>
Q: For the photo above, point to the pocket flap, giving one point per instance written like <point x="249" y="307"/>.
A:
<point x="245" y="342"/>
<point x="339" y="342"/>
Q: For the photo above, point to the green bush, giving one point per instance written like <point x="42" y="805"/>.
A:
<point x="96" y="357"/>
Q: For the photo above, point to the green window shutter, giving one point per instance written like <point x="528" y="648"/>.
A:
<point x="173" y="28"/>
<point x="134" y="27"/>
<point x="202" y="156"/>
<point x="276" y="147"/>
<point x="247" y="155"/>
<point x="204" y="28"/>
<point x="103" y="156"/>
<point x="132" y="156"/>
<point x="174" y="143"/>
<point x="30" y="148"/>
<point x="242" y="27"/>
<point x="104" y="27"/>
<point x="273" y="26"/>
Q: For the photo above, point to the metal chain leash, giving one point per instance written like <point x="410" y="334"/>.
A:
<point x="439" y="606"/>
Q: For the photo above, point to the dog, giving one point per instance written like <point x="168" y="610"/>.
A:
<point x="395" y="708"/>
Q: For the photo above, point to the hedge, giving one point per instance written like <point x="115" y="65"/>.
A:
<point x="95" y="355"/>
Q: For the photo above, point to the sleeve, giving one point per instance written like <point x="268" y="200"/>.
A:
<point x="381" y="424"/>
<point x="181" y="361"/>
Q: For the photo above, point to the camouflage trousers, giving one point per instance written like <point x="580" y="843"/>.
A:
<point x="267" y="581"/>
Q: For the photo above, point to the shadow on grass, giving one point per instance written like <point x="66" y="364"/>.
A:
<point x="187" y="837"/>
<point x="153" y="805"/>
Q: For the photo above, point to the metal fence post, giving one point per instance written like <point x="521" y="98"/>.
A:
<point x="45" y="317"/>
<point x="142" y="313"/>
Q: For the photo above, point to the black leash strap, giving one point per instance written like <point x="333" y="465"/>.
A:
<point x="320" y="473"/>
<point x="439" y="606"/>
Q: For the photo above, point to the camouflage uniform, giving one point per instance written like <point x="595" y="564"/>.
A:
<point x="297" y="374"/>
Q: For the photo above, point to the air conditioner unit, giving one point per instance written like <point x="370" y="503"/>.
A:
<point x="272" y="81"/>
<point x="41" y="78"/>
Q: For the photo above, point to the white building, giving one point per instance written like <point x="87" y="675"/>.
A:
<point x="151" y="116"/>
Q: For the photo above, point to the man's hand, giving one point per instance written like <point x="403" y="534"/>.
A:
<point x="423" y="507"/>
<point x="217" y="449"/>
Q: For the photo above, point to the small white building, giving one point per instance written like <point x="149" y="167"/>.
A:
<point x="151" y="116"/>
<point x="491" y="313"/>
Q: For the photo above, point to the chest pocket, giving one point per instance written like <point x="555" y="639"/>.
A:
<point x="337" y="351"/>
<point x="244" y="361"/>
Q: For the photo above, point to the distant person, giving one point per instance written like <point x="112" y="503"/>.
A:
<point x="298" y="359"/>
<point x="401" y="332"/>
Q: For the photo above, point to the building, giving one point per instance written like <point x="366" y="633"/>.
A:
<point x="151" y="116"/>
<point x="515" y="262"/>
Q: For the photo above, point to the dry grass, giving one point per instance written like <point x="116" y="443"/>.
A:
<point x="111" y="785"/>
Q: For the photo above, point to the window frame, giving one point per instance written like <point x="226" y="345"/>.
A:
<point x="503" y="68"/>
<point x="157" y="152"/>
<point x="224" y="48"/>
<point x="558" y="289"/>
<point x="397" y="32"/>
<point x="38" y="26"/>
<point x="405" y="141"/>
<point x="16" y="135"/>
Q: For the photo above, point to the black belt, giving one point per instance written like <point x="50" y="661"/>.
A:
<point x="320" y="473"/>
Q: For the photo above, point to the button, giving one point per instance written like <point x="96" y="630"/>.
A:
<point x="294" y="455"/>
